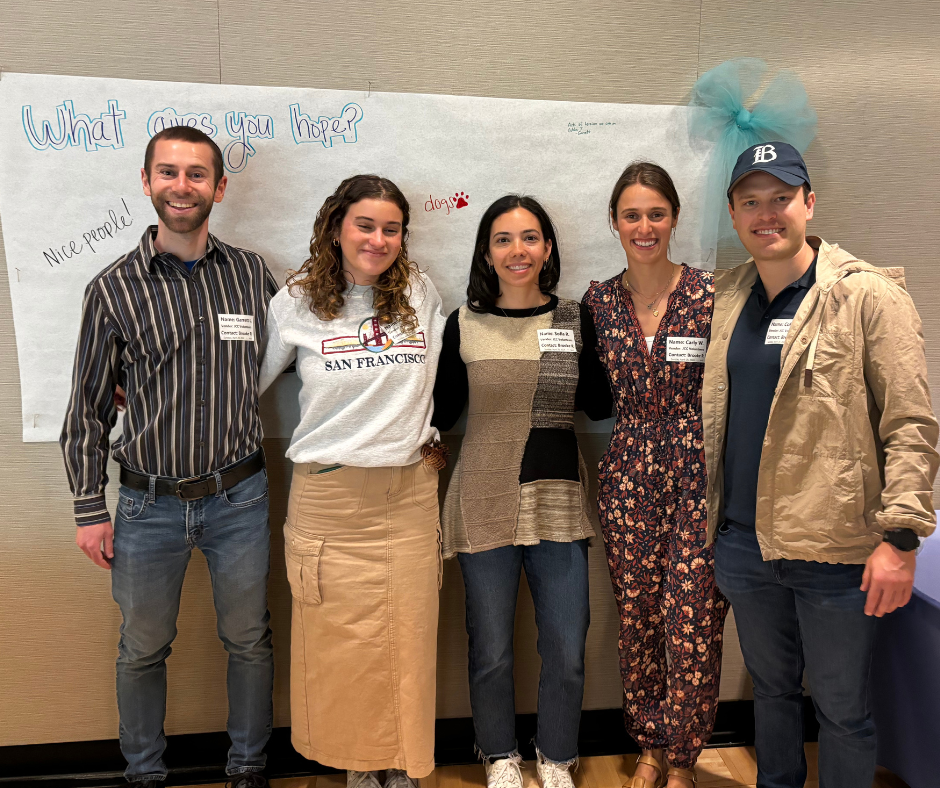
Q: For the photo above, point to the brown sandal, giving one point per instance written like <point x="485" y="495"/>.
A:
<point x="642" y="782"/>
<point x="687" y="774"/>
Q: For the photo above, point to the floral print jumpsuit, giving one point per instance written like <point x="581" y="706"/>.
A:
<point x="651" y="504"/>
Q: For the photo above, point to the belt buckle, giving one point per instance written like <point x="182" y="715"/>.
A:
<point x="179" y="489"/>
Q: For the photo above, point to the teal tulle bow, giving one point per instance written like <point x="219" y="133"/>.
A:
<point x="782" y="113"/>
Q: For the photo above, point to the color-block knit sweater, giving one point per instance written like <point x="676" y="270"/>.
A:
<point x="520" y="477"/>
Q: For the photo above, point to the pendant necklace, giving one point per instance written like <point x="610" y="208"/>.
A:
<point x="653" y="305"/>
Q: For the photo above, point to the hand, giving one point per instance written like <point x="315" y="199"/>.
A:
<point x="888" y="579"/>
<point x="97" y="542"/>
<point x="120" y="399"/>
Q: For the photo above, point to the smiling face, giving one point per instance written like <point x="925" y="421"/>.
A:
<point x="644" y="221"/>
<point x="518" y="249"/>
<point x="182" y="185"/>
<point x="770" y="217"/>
<point x="370" y="238"/>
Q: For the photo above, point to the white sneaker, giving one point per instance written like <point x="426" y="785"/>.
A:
<point x="398" y="778"/>
<point x="504" y="773"/>
<point x="362" y="779"/>
<point x="553" y="775"/>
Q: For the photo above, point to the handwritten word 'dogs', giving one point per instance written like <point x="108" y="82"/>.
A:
<point x="459" y="200"/>
<point x="324" y="129"/>
<point x="169" y="117"/>
<point x="75" y="128"/>
<point x="244" y="127"/>
<point x="56" y="255"/>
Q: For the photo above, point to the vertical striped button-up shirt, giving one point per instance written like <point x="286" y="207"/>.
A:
<point x="173" y="340"/>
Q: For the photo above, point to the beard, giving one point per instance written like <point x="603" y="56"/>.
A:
<point x="182" y="224"/>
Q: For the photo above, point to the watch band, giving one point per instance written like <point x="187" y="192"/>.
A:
<point x="904" y="539"/>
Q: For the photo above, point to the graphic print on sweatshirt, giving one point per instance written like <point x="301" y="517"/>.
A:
<point x="370" y="346"/>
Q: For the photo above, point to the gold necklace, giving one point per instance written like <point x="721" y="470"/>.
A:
<point x="656" y="298"/>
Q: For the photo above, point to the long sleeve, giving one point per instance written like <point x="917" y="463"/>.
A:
<point x="451" y="387"/>
<point x="593" y="392"/>
<point x="896" y="373"/>
<point x="276" y="354"/>
<point x="91" y="411"/>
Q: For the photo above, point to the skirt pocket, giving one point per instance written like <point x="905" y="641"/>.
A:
<point x="302" y="556"/>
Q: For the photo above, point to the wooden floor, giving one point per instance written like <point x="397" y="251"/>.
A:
<point x="727" y="767"/>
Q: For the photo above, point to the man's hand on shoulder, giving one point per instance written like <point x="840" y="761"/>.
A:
<point x="97" y="542"/>
<point x="888" y="579"/>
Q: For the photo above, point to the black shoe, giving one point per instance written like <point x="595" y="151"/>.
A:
<point x="145" y="783"/>
<point x="248" y="780"/>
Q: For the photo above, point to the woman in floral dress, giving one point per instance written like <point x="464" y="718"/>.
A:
<point x="653" y="323"/>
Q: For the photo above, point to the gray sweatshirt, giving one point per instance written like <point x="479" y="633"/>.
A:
<point x="365" y="399"/>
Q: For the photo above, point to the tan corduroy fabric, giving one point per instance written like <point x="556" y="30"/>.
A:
<point x="364" y="566"/>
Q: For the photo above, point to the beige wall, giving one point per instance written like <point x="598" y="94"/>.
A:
<point x="871" y="69"/>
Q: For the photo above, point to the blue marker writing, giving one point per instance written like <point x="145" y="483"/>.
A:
<point x="324" y="129"/>
<point x="74" y="128"/>
<point x="244" y="127"/>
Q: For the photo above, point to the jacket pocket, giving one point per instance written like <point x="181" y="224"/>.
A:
<point x="302" y="556"/>
<point x="819" y="501"/>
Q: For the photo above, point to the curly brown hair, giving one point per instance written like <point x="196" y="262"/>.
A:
<point x="321" y="280"/>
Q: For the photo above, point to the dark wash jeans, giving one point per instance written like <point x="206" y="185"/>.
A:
<point x="153" y="539"/>
<point x="791" y="616"/>
<point x="557" y="573"/>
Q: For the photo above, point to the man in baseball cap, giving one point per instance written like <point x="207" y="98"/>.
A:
<point x="820" y="454"/>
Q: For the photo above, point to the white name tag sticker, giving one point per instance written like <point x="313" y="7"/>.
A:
<point x="398" y="331"/>
<point x="556" y="340"/>
<point x="777" y="333"/>
<point x="237" y="327"/>
<point x="688" y="349"/>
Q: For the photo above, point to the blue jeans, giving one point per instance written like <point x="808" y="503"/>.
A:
<point x="557" y="573"/>
<point x="793" y="615"/>
<point x="153" y="539"/>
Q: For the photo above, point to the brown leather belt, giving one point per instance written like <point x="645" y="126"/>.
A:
<point x="195" y="487"/>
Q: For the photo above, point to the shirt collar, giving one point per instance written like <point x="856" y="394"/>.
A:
<point x="149" y="254"/>
<point x="805" y="282"/>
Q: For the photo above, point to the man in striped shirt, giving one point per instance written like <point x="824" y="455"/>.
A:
<point x="177" y="323"/>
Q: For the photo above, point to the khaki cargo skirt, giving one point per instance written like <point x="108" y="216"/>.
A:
<point x="363" y="557"/>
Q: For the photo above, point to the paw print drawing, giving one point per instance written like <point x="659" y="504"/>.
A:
<point x="463" y="200"/>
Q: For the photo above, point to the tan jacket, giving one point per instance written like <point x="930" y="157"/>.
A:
<point x="849" y="448"/>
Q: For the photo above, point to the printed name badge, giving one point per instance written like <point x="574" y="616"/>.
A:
<point x="556" y="340"/>
<point x="777" y="333"/>
<point x="688" y="349"/>
<point x="398" y="331"/>
<point x="238" y="327"/>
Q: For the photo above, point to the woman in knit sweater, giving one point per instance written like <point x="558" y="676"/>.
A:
<point x="362" y="532"/>
<point x="526" y="360"/>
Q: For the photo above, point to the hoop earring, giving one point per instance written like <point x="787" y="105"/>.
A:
<point x="335" y="242"/>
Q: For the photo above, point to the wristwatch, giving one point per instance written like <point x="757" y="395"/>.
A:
<point x="904" y="539"/>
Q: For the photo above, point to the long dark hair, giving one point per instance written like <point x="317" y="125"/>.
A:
<point x="320" y="279"/>
<point x="483" y="289"/>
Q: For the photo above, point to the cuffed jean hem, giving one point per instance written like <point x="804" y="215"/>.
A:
<point x="570" y="762"/>
<point x="142" y="778"/>
<point x="514" y="753"/>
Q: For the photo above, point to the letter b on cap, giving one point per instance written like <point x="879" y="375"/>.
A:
<point x="764" y="154"/>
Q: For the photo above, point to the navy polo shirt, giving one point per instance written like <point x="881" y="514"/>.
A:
<point x="753" y="374"/>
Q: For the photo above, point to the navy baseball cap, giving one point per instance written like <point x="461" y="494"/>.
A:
<point x="781" y="160"/>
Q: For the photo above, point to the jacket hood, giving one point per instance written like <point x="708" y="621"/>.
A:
<point x="834" y="263"/>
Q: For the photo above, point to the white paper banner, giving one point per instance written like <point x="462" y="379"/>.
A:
<point x="71" y="149"/>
